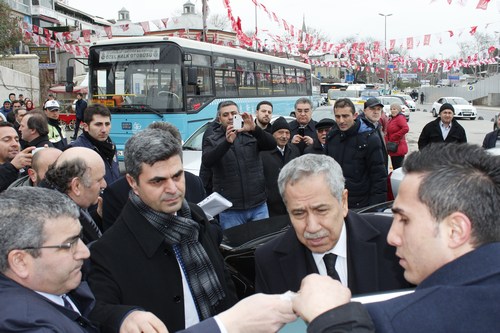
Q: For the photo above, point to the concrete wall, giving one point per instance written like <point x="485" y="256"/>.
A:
<point x="485" y="92"/>
<point x="20" y="74"/>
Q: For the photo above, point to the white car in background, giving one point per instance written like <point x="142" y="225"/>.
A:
<point x="408" y="100"/>
<point x="388" y="100"/>
<point x="463" y="109"/>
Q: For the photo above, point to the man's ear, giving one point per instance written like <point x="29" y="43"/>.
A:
<point x="132" y="182"/>
<point x="344" y="203"/>
<point x="32" y="174"/>
<point x="76" y="186"/>
<point x="459" y="230"/>
<point x="85" y="126"/>
<point x="19" y="263"/>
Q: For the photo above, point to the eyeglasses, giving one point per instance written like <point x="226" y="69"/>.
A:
<point x="64" y="246"/>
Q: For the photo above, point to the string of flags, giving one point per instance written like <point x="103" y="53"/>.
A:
<point x="356" y="55"/>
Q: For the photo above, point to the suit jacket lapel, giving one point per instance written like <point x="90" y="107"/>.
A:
<point x="361" y="255"/>
<point x="295" y="260"/>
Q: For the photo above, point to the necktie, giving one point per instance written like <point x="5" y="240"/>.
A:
<point x="330" y="259"/>
<point x="67" y="304"/>
<point x="91" y="222"/>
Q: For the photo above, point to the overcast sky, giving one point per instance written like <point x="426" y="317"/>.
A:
<point x="337" y="18"/>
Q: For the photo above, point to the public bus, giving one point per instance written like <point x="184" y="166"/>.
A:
<point x="181" y="81"/>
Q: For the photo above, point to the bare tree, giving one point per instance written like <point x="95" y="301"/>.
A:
<point x="478" y="46"/>
<point x="219" y="21"/>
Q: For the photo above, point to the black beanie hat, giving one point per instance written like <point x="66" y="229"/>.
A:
<point x="280" y="123"/>
<point x="446" y="106"/>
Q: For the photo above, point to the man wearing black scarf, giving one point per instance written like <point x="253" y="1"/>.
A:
<point x="96" y="127"/>
<point x="160" y="262"/>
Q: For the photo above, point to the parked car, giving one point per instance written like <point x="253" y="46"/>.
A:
<point x="388" y="100"/>
<point x="191" y="149"/>
<point x="410" y="103"/>
<point x="463" y="109"/>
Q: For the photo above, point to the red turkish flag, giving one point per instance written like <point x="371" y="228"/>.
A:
<point x="409" y="43"/>
<point x="145" y="26"/>
<point x="427" y="39"/>
<point x="451" y="33"/>
<point x="86" y="35"/>
<point x="392" y="44"/>
<point x="473" y="30"/>
<point x="108" y="32"/>
<point x="482" y="4"/>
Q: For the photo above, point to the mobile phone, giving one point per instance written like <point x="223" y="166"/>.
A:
<point x="36" y="150"/>
<point x="301" y="131"/>
<point x="237" y="122"/>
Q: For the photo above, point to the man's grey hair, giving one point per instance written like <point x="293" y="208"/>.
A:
<point x="303" y="100"/>
<point x="168" y="127"/>
<point x="149" y="146"/>
<point x="23" y="214"/>
<point x="460" y="178"/>
<point x="309" y="165"/>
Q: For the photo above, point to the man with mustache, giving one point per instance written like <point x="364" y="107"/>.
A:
<point x="447" y="242"/>
<point x="159" y="265"/>
<point x="326" y="237"/>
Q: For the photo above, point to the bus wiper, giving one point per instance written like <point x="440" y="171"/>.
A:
<point x="142" y="106"/>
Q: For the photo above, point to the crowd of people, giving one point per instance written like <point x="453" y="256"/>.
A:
<point x="86" y="249"/>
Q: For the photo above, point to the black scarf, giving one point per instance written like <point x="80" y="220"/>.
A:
<point x="106" y="148"/>
<point x="182" y="232"/>
<point x="55" y="123"/>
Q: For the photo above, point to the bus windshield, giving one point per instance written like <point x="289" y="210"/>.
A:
<point x="145" y="77"/>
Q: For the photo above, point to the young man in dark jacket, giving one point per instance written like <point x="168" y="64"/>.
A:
<point x="361" y="156"/>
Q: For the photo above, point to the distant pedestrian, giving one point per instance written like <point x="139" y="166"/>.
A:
<point x="422" y="97"/>
<point x="397" y="127"/>
<point x="80" y="107"/>
<point x="443" y="129"/>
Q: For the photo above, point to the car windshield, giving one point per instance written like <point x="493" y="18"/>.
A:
<point x="458" y="101"/>
<point x="391" y="100"/>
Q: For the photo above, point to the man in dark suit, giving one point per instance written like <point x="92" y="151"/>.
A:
<point x="79" y="173"/>
<point x="302" y="129"/>
<point x="40" y="259"/>
<point x="160" y="262"/>
<point x="116" y="194"/>
<point x="41" y="284"/>
<point x="449" y="245"/>
<point x="312" y="187"/>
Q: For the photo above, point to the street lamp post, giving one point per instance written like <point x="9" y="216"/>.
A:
<point x="385" y="49"/>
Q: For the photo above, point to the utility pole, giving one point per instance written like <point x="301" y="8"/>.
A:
<point x="386" y="56"/>
<point x="204" y="10"/>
